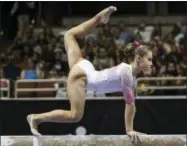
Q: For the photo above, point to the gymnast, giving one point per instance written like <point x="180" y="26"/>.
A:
<point x="83" y="76"/>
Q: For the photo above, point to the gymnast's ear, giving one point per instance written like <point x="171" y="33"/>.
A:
<point x="137" y="58"/>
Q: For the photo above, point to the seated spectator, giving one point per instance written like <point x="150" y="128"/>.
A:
<point x="175" y="55"/>
<point x="11" y="71"/>
<point x="144" y="32"/>
<point x="31" y="72"/>
<point x="125" y="34"/>
<point x="103" y="61"/>
<point x="171" y="69"/>
<point x="157" y="31"/>
<point x="41" y="69"/>
<point x="53" y="74"/>
<point x="115" y="32"/>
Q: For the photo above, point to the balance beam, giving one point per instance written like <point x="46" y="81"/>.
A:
<point x="93" y="140"/>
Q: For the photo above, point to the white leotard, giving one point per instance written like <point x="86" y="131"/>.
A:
<point x="118" y="78"/>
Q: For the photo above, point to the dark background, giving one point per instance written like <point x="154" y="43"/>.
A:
<point x="101" y="117"/>
<point x="53" y="12"/>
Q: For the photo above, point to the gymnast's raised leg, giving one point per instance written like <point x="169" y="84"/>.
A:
<point x="77" y="78"/>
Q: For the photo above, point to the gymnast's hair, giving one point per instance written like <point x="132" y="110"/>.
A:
<point x="135" y="48"/>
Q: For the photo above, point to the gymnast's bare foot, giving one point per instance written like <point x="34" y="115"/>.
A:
<point x="33" y="125"/>
<point x="104" y="15"/>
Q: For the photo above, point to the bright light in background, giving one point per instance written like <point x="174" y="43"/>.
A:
<point x="80" y="130"/>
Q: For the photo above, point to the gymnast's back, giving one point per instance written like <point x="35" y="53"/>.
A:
<point x="109" y="80"/>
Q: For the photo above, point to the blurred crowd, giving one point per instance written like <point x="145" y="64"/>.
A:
<point x="41" y="54"/>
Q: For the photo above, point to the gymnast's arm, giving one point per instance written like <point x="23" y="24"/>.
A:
<point x="129" y="114"/>
<point x="130" y="110"/>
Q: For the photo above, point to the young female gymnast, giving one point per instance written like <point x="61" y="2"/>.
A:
<point x="83" y="76"/>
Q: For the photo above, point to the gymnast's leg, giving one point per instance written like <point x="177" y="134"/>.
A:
<point x="76" y="95"/>
<point x="72" y="48"/>
<point x="76" y="82"/>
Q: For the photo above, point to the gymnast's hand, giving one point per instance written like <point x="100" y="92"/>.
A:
<point x="135" y="136"/>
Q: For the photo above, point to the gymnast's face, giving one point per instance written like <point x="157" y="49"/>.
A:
<point x="145" y="63"/>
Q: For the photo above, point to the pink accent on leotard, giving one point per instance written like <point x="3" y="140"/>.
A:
<point x="129" y="96"/>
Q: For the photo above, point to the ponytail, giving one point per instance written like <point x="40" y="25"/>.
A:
<point x="130" y="48"/>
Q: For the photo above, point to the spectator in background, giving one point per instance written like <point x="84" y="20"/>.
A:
<point x="103" y="61"/>
<point x="36" y="57"/>
<point x="111" y="48"/>
<point x="125" y="34"/>
<point x="175" y="55"/>
<point x="157" y="31"/>
<point x="160" y="49"/>
<point x="32" y="71"/>
<point x="28" y="45"/>
<point x="144" y="32"/>
<point x="171" y="69"/>
<point x="41" y="69"/>
<point x="11" y="71"/>
<point x="115" y="32"/>
<point x="23" y="9"/>
<point x="53" y="74"/>
<point x="42" y="43"/>
<point x="58" y="52"/>
<point x="177" y="29"/>
<point x="141" y="88"/>
<point x="99" y="32"/>
<point x="48" y="55"/>
<point x="119" y="57"/>
<point x="178" y="32"/>
<point x="90" y="48"/>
